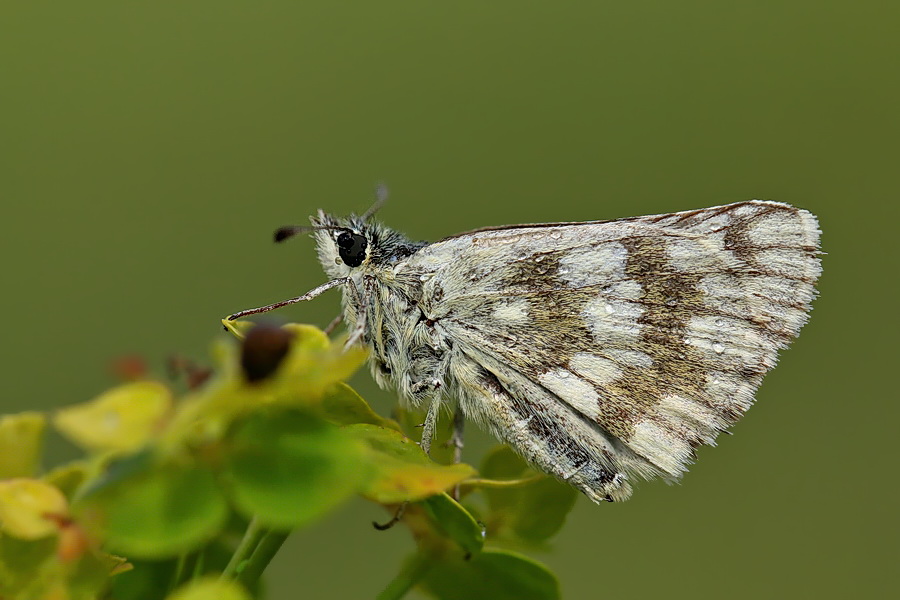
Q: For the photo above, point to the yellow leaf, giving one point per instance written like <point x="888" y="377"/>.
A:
<point x="121" y="419"/>
<point x="402" y="471"/>
<point x="312" y="365"/>
<point x="308" y="371"/>
<point x="238" y="328"/>
<point x="210" y="589"/>
<point x="311" y="374"/>
<point x="20" y="443"/>
<point x="398" y="482"/>
<point x="117" y="564"/>
<point x="30" y="509"/>
<point x="309" y="337"/>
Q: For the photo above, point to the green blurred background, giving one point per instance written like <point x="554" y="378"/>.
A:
<point x="148" y="150"/>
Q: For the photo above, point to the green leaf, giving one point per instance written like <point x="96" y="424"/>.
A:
<point x="21" y="562"/>
<point x="402" y="470"/>
<point x="153" y="579"/>
<point x="542" y="509"/>
<point x="21" y="438"/>
<point x="91" y="576"/>
<point x="119" y="469"/>
<point x="494" y="574"/>
<point x="289" y="467"/>
<point x="455" y="522"/>
<point x="150" y="510"/>
<point x="533" y="512"/>
<point x="146" y="581"/>
<point x="411" y="421"/>
<point x="36" y="571"/>
<point x="69" y="477"/>
<point x="344" y="406"/>
<point x="211" y="588"/>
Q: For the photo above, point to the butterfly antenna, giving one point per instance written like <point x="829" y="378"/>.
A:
<point x="381" y="196"/>
<point x="289" y="231"/>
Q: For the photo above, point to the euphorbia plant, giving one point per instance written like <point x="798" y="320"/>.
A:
<point x="273" y="441"/>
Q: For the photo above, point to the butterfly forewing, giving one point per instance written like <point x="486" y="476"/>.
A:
<point x="609" y="348"/>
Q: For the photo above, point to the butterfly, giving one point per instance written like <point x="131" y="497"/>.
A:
<point x="602" y="352"/>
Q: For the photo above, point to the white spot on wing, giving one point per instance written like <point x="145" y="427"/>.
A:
<point x="629" y="289"/>
<point x="681" y="412"/>
<point x="792" y="262"/>
<point x="634" y="358"/>
<point x="778" y="228"/>
<point x="769" y="299"/>
<point x="613" y="322"/>
<point x="728" y="391"/>
<point x="593" y="264"/>
<point x="715" y="223"/>
<point x="661" y="447"/>
<point x="513" y="312"/>
<point x="746" y="210"/>
<point x="693" y="254"/>
<point x="722" y="331"/>
<point x="595" y="368"/>
<point x="576" y="392"/>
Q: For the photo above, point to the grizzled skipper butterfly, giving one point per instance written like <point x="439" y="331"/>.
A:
<point x="601" y="352"/>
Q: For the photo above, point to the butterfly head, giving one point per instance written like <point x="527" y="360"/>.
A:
<point x="344" y="244"/>
<point x="348" y="245"/>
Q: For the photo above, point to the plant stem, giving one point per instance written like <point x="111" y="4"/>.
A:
<point x="502" y="483"/>
<point x="199" y="563"/>
<point x="414" y="569"/>
<point x="244" y="551"/>
<point x="266" y="549"/>
<point x="179" y="571"/>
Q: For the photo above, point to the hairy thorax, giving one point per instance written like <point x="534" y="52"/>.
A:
<point x="410" y="353"/>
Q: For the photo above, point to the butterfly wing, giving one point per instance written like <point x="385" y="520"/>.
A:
<point x="606" y="349"/>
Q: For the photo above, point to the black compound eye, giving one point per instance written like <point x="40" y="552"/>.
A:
<point x="352" y="248"/>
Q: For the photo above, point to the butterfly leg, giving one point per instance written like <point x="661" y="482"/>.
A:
<point x="359" y="329"/>
<point x="456" y="438"/>
<point x="394" y="520"/>
<point x="427" y="436"/>
<point x="333" y="325"/>
<point x="456" y="441"/>
<point x="430" y="424"/>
